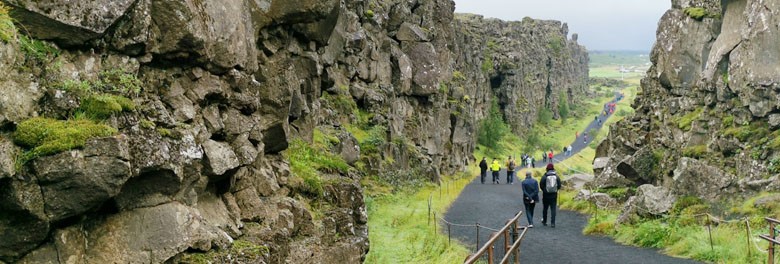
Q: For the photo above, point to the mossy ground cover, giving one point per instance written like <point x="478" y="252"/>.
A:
<point x="307" y="161"/>
<point x="46" y="136"/>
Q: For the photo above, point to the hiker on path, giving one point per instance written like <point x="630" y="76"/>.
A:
<point x="544" y="157"/>
<point x="550" y="185"/>
<point x="533" y="162"/>
<point x="568" y="150"/>
<point x="550" y="156"/>
<point x="495" y="167"/>
<point x="510" y="170"/>
<point x="483" y="166"/>
<point x="528" y="161"/>
<point x="576" y="134"/>
<point x="530" y="196"/>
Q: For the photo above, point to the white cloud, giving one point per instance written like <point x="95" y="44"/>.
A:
<point x="601" y="24"/>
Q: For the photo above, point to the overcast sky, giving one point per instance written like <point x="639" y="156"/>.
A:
<point x="601" y="24"/>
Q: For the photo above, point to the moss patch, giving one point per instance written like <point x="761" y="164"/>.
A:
<point x="306" y="161"/>
<point x="685" y="121"/>
<point x="104" y="105"/>
<point x="45" y="136"/>
<point x="699" y="13"/>
<point x="697" y="151"/>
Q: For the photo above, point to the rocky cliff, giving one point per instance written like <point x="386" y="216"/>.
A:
<point x="237" y="131"/>
<point x="707" y="116"/>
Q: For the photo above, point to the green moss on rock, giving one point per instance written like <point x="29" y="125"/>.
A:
<point x="104" y="105"/>
<point x="46" y="136"/>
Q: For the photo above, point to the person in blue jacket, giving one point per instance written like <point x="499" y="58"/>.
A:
<point x="530" y="196"/>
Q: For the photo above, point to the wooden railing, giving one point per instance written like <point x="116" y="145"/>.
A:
<point x="512" y="225"/>
<point x="772" y="238"/>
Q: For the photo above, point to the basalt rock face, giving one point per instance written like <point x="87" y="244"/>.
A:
<point x="201" y="163"/>
<point x="706" y="120"/>
<point x="530" y="65"/>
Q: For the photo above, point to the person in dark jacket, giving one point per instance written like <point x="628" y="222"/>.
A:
<point x="530" y="196"/>
<point x="483" y="166"/>
<point x="550" y="184"/>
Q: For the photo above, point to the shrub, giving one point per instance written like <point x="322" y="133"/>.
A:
<point x="487" y="65"/>
<point x="545" y="116"/>
<point x="563" y="106"/>
<point x="45" y="136"/>
<point x="119" y="81"/>
<point x="369" y="13"/>
<point x="493" y="128"/>
<point x="651" y="234"/>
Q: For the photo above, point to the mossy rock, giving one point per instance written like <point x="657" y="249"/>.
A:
<point x="46" y="136"/>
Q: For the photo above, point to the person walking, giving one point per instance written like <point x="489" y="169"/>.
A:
<point x="495" y="168"/>
<point x="544" y="156"/>
<point x="483" y="166"/>
<point x="510" y="170"/>
<point x="530" y="196"/>
<point x="568" y="150"/>
<point x="528" y="162"/>
<point x="533" y="162"/>
<point x="550" y="156"/>
<point x="550" y="185"/>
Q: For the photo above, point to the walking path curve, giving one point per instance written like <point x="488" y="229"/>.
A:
<point x="491" y="205"/>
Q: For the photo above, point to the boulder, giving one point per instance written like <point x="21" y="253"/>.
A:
<point x="579" y="180"/>
<point x="70" y="23"/>
<point x="697" y="178"/>
<point x="648" y="201"/>
<point x="143" y="235"/>
<point x="23" y="223"/>
<point x="425" y="67"/>
<point x="75" y="182"/>
<point x="411" y="32"/>
<point x="219" y="157"/>
<point x="349" y="148"/>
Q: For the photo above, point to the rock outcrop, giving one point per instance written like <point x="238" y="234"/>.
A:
<point x="208" y="98"/>
<point x="705" y="122"/>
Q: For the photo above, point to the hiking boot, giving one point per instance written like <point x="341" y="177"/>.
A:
<point x="531" y="226"/>
<point x="544" y="223"/>
<point x="553" y="225"/>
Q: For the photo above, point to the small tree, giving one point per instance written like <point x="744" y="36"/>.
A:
<point x="493" y="128"/>
<point x="563" y="106"/>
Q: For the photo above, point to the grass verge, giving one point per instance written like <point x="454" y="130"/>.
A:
<point x="399" y="227"/>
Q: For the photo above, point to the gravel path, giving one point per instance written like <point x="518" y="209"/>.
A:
<point x="491" y="205"/>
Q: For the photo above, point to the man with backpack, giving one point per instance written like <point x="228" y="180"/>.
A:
<point x="550" y="185"/>
<point x="510" y="170"/>
<point x="483" y="166"/>
<point x="530" y="196"/>
<point x="495" y="168"/>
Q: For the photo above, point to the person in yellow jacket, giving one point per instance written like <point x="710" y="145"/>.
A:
<point x="495" y="168"/>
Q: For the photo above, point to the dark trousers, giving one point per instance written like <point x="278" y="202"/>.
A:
<point x="495" y="176"/>
<point x="482" y="175"/>
<point x="529" y="212"/>
<point x="551" y="203"/>
<point x="510" y="176"/>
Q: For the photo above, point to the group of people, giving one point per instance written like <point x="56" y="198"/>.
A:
<point x="549" y="185"/>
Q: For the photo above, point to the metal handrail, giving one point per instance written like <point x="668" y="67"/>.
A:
<point x="488" y="247"/>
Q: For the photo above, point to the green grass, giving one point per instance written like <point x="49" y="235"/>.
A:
<point x="400" y="232"/>
<point x="36" y="49"/>
<point x="7" y="28"/>
<point x="697" y="151"/>
<point x="45" y="136"/>
<point x="307" y="162"/>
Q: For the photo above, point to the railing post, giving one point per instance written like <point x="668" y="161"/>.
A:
<point x="771" y="244"/>
<point x="490" y="254"/>
<point x="517" y="231"/>
<point x="449" y="236"/>
<point x="506" y="241"/>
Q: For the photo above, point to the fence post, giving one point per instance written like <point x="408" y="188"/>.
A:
<point x="490" y="250"/>
<point x="429" y="209"/>
<point x="747" y="236"/>
<point x="449" y="236"/>
<point x="709" y="230"/>
<point x="477" y="236"/>
<point x="434" y="222"/>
